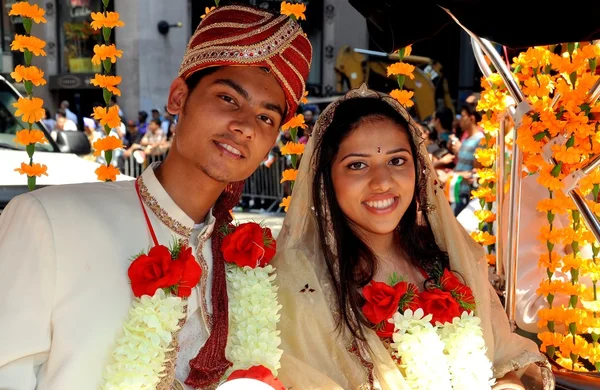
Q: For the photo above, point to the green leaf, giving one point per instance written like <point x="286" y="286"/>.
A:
<point x="570" y="47"/>
<point x="539" y="136"/>
<point x="395" y="279"/>
<point x="217" y="3"/>
<point x="140" y="253"/>
<point x="572" y="304"/>
<point x="28" y="56"/>
<point x="550" y="246"/>
<point x="31" y="183"/>
<point x="556" y="170"/>
<point x="550" y="216"/>
<point x="571" y="142"/>
<point x="294" y="134"/>
<point x="573" y="78"/>
<point x="401" y="79"/>
<point x="105" y="3"/>
<point x="595" y="250"/>
<point x="574" y="275"/>
<point x="106" y="31"/>
<point x="107" y="65"/>
<point x="549" y="273"/>
<point x="593" y="63"/>
<point x="518" y="69"/>
<point x="535" y="117"/>
<point x="551" y="326"/>
<point x="108" y="154"/>
<point x="550" y="299"/>
<point x="551" y="350"/>
<point x="27" y="23"/>
<point x="28" y="87"/>
<point x="106" y="129"/>
<point x="294" y="161"/>
<point x="107" y="95"/>
<point x="175" y="248"/>
<point x="30" y="149"/>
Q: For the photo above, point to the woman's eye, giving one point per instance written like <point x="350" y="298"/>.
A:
<point x="266" y="119"/>
<point x="355" y="166"/>
<point x="397" y="161"/>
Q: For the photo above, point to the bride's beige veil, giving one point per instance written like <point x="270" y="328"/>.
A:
<point x="316" y="354"/>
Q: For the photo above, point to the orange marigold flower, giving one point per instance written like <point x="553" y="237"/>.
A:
<point x="550" y="260"/>
<point x="110" y="20"/>
<point x="483" y="238"/>
<point x="296" y="10"/>
<point x="26" y="42"/>
<point x="401" y="68"/>
<point x="554" y="235"/>
<point x="539" y="86"/>
<point x="207" y="10"/>
<point x="550" y="339"/>
<point x="108" y="82"/>
<point x="403" y="96"/>
<point x="590" y="51"/>
<point x="29" y="73"/>
<point x="108" y="117"/>
<point x="285" y="203"/>
<point x="103" y="52"/>
<point x="555" y="206"/>
<point x="32" y="170"/>
<point x="549" y="181"/>
<point x="594" y="353"/>
<point x="106" y="143"/>
<point x="567" y="155"/>
<point x="26" y="10"/>
<point x="556" y="313"/>
<point x="549" y="287"/>
<point x="573" y="346"/>
<point x="485" y="216"/>
<point x="407" y="50"/>
<point x="289" y="175"/>
<point x="571" y="261"/>
<point x="491" y="259"/>
<point x="107" y="172"/>
<point x="30" y="108"/>
<point x="296" y="121"/>
<point x="303" y="99"/>
<point x="292" y="148"/>
<point x="28" y="137"/>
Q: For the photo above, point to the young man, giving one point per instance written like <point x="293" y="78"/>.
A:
<point x="65" y="251"/>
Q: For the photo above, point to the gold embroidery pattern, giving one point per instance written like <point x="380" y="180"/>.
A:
<point x="208" y="320"/>
<point x="302" y="55"/>
<point x="241" y="54"/>
<point x="295" y="71"/>
<point x="354" y="349"/>
<point x="168" y="379"/>
<point x="161" y="213"/>
<point x="235" y="38"/>
<point x="283" y="80"/>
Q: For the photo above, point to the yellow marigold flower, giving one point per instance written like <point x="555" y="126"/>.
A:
<point x="110" y="20"/>
<point x="106" y="143"/>
<point x="285" y="203"/>
<point x="107" y="173"/>
<point x="491" y="259"/>
<point x="108" y="117"/>
<point x="590" y="51"/>
<point x="483" y="238"/>
<point x="26" y="42"/>
<point x="566" y="234"/>
<point x="486" y="156"/>
<point x="30" y="108"/>
<point x="303" y="99"/>
<point x="28" y="137"/>
<point x="590" y="269"/>
<point x="485" y="216"/>
<point x="403" y="96"/>
<point x="29" y="73"/>
<point x="26" y="10"/>
<point x="594" y="354"/>
<point x="289" y="175"/>
<point x="540" y="86"/>
<point x="296" y="121"/>
<point x="32" y="170"/>
<point x="494" y="79"/>
<point x="292" y="148"/>
<point x="103" y="52"/>
<point x="486" y="176"/>
<point x="108" y="82"/>
<point x="593" y="306"/>
<point x="401" y="68"/>
<point x="551" y="261"/>
<point x="296" y="10"/>
<point x="207" y="10"/>
<point x="573" y="346"/>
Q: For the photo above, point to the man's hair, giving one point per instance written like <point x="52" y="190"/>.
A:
<point x="194" y="79"/>
<point x="65" y="103"/>
<point x="471" y="110"/>
<point x="144" y="115"/>
<point x="446" y="117"/>
<point x="61" y="112"/>
<point x="157" y="121"/>
<point x="154" y="110"/>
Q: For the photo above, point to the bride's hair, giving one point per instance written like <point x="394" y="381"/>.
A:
<point x="357" y="263"/>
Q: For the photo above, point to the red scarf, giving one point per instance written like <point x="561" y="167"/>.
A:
<point x="210" y="364"/>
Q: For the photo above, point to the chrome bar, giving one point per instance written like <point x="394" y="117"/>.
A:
<point x="593" y="164"/>
<point x="500" y="164"/>
<point x="588" y="216"/>
<point x="480" y="58"/>
<point x="594" y="93"/>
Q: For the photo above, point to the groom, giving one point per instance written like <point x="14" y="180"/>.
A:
<point x="65" y="251"/>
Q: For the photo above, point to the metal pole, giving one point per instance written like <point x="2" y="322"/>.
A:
<point x="500" y="164"/>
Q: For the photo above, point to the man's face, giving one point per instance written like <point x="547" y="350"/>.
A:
<point x="153" y="127"/>
<point x="228" y="123"/>
<point x="465" y="120"/>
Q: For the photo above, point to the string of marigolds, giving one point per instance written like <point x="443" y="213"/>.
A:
<point x="293" y="148"/>
<point x="402" y="70"/>
<point x="545" y="75"/>
<point x="106" y="55"/>
<point x="29" y="108"/>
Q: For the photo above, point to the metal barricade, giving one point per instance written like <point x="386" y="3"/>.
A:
<point x="265" y="183"/>
<point x="131" y="167"/>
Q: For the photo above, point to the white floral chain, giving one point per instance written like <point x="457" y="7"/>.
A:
<point x="450" y="356"/>
<point x="139" y="357"/>
<point x="253" y="316"/>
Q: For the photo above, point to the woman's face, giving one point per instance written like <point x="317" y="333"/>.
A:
<point x="374" y="175"/>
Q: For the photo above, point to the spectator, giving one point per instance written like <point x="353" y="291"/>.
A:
<point x="64" y="106"/>
<point x="156" y="114"/>
<point x="142" y="125"/>
<point x="155" y="139"/>
<point x="63" y="123"/>
<point x="48" y="121"/>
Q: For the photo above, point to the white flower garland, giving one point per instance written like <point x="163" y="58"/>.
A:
<point x="450" y="356"/>
<point x="253" y="316"/>
<point x="139" y="358"/>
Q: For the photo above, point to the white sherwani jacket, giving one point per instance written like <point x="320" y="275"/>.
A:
<point x="64" y="255"/>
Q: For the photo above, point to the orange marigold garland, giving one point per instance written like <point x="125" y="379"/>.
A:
<point x="564" y="79"/>
<point x="402" y="70"/>
<point x="29" y="108"/>
<point x="106" y="54"/>
<point x="294" y="149"/>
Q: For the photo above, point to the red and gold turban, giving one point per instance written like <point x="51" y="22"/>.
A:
<point x="239" y="35"/>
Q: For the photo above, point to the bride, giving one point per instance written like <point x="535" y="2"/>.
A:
<point x="370" y="244"/>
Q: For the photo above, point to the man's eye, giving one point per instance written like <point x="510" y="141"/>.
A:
<point x="228" y="99"/>
<point x="266" y="119"/>
<point x="355" y="166"/>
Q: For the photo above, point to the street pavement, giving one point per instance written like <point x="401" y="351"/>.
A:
<point x="270" y="220"/>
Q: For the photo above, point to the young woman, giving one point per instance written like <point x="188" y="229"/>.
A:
<point x="369" y="233"/>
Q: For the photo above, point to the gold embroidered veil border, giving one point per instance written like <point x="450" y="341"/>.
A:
<point x="316" y="355"/>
